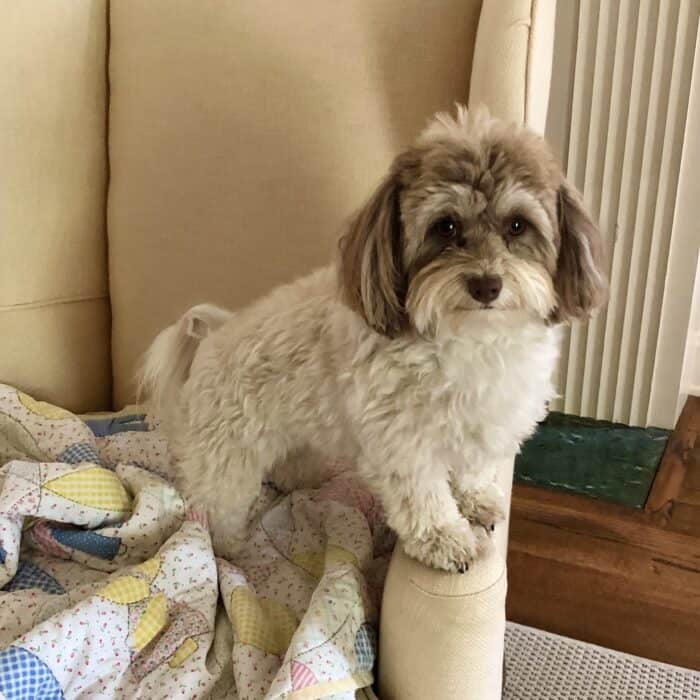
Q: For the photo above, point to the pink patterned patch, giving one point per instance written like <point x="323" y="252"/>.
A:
<point x="185" y="622"/>
<point x="351" y="492"/>
<point x="302" y="676"/>
<point x="44" y="540"/>
<point x="197" y="516"/>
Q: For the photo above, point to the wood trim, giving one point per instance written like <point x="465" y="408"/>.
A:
<point x="672" y="471"/>
<point x="613" y="575"/>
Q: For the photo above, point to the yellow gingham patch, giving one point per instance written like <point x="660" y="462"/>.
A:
<point x="311" y="562"/>
<point x="264" y="624"/>
<point x="315" y="563"/>
<point x="149" y="568"/>
<point x="339" y="555"/>
<point x="43" y="409"/>
<point x="183" y="652"/>
<point x="152" y="622"/>
<point x="94" y="486"/>
<point x="125" y="590"/>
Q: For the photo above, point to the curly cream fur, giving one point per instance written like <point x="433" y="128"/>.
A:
<point x="383" y="358"/>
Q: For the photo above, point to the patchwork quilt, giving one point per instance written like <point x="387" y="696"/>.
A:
<point x="109" y="587"/>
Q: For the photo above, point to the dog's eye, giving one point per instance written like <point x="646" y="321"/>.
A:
<point x="517" y="226"/>
<point x="446" y="227"/>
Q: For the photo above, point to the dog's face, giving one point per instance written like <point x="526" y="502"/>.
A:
<point x="473" y="219"/>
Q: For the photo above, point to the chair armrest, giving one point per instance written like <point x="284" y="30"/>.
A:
<point x="442" y="634"/>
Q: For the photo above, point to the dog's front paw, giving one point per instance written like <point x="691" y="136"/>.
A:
<point x="486" y="507"/>
<point x="451" y="547"/>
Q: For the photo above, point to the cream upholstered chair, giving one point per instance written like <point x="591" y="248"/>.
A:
<point x="156" y="154"/>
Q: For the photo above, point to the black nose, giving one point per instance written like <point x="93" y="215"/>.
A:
<point x="485" y="289"/>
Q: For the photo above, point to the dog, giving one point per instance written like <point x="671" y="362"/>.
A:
<point x="424" y="353"/>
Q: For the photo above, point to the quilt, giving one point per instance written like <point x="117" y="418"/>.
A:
<point x="109" y="587"/>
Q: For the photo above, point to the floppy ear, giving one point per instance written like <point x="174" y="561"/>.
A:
<point x="580" y="279"/>
<point x="371" y="270"/>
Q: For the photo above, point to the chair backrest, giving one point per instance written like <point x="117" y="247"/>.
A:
<point x="241" y="134"/>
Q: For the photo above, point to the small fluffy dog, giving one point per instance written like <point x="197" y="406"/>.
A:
<point x="425" y="353"/>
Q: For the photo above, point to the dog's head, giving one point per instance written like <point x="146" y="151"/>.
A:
<point x="475" y="218"/>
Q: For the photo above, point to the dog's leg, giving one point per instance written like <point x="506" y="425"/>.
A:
<point x="480" y="501"/>
<point x="227" y="486"/>
<point x="303" y="469"/>
<point x="423" y="513"/>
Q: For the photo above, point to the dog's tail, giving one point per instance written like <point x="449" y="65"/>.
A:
<point x="166" y="364"/>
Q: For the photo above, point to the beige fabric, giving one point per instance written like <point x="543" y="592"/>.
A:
<point x="54" y="315"/>
<point x="242" y="133"/>
<point x="540" y="49"/>
<point x="58" y="352"/>
<point x="441" y="636"/>
<point x="513" y="59"/>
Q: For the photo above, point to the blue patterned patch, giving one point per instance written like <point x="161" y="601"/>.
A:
<point x="102" y="427"/>
<point x="89" y="542"/>
<point x="24" y="676"/>
<point x="79" y="453"/>
<point x="29" y="575"/>
<point x="3" y="554"/>
<point x="365" y="646"/>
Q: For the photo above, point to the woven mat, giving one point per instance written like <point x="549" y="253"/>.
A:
<point x="543" y="666"/>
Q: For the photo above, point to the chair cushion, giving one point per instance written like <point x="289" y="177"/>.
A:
<point x="243" y="133"/>
<point x="54" y="312"/>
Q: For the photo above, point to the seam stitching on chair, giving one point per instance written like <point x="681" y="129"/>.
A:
<point x="108" y="184"/>
<point x="528" y="62"/>
<point x="460" y="595"/>
<point x="52" y="302"/>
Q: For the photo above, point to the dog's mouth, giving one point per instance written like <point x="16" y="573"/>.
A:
<point x="476" y="309"/>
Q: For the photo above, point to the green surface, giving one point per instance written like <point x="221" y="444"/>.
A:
<point x="598" y="459"/>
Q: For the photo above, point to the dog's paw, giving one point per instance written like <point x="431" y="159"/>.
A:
<point x="451" y="547"/>
<point x="486" y="508"/>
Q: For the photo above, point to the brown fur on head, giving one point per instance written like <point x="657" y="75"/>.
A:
<point x="580" y="281"/>
<point x="372" y="275"/>
<point x="475" y="208"/>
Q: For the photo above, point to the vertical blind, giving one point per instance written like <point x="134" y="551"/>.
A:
<point x="625" y="81"/>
